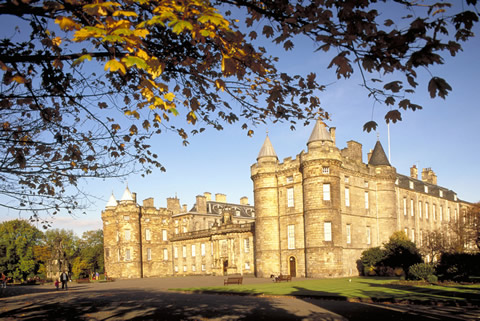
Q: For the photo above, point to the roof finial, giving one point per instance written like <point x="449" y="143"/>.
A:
<point x="267" y="131"/>
<point x="378" y="136"/>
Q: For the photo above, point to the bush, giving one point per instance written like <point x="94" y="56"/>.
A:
<point x="458" y="266"/>
<point x="371" y="259"/>
<point x="401" y="252"/>
<point x="421" y="271"/>
<point x="432" y="278"/>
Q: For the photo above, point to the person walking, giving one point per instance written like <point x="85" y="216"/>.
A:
<point x="64" y="280"/>
<point x="3" y="280"/>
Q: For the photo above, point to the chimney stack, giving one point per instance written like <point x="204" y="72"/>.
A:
<point x="208" y="196"/>
<point x="332" y="134"/>
<point x="173" y="204"/>
<point x="414" y="172"/>
<point x="221" y="198"/>
<point x="429" y="176"/>
<point x="201" y="204"/>
<point x="244" y="201"/>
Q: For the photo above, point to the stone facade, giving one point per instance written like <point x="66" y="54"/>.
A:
<point x="315" y="214"/>
<point x="313" y="217"/>
<point x="213" y="238"/>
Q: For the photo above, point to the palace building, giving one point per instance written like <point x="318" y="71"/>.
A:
<point x="312" y="217"/>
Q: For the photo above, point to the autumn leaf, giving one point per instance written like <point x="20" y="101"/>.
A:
<point x="393" y="115"/>
<point x="440" y="85"/>
<point x="114" y="65"/>
<point x="369" y="126"/>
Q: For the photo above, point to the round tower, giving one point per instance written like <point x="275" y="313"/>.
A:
<point x="265" y="190"/>
<point x="320" y="168"/>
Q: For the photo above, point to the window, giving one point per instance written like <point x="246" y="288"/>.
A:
<point x="325" y="170"/>
<point x="410" y="184"/>
<point x="164" y="221"/>
<point x="425" y="188"/>
<point x="194" y="268"/>
<point x="118" y="255"/>
<point x="184" y="268"/>
<point x="184" y="229"/>
<point x="406" y="231"/>
<point x="127" y="255"/>
<point x="290" y="179"/>
<point x="420" y="209"/>
<point x="165" y="254"/>
<point x="365" y="184"/>
<point x="176" y="268"/>
<point x="118" y="236"/>
<point x="434" y="214"/>
<point x="441" y="193"/>
<point x="327" y="231"/>
<point x="349" y="235"/>
<point x="247" y="265"/>
<point x="147" y="220"/>
<point x="369" y="235"/>
<point x="448" y="214"/>
<point x="426" y="211"/>
<point x="366" y="200"/>
<point x="203" y="267"/>
<point x="176" y="230"/>
<point x="455" y="197"/>
<point x="405" y="206"/>
<point x="441" y="213"/>
<point x="246" y="243"/>
<point x="193" y="250"/>
<point x="290" y="197"/>
<point x="184" y="251"/>
<point x="164" y="235"/>
<point x="175" y="252"/>
<point x="291" y="236"/>
<point x="176" y="222"/>
<point x="347" y="179"/>
<point x="326" y="192"/>
<point x="126" y="217"/>
<point x="202" y="249"/>
<point x="456" y="215"/>
<point x="149" y="254"/>
<point x="148" y="237"/>
<point x="347" y="196"/>
<point x="211" y="248"/>
<point x="420" y="236"/>
<point x="127" y="235"/>
<point x="412" y="209"/>
<point x="413" y="235"/>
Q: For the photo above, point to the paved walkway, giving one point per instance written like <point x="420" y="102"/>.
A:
<point x="148" y="299"/>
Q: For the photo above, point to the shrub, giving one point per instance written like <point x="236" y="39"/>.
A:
<point x="421" y="271"/>
<point x="458" y="266"/>
<point x="401" y="252"/>
<point x="371" y="259"/>
<point x="432" y="278"/>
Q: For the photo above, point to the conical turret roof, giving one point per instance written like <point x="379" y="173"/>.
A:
<point x="319" y="133"/>
<point x="267" y="149"/>
<point x="112" y="202"/>
<point x="378" y="156"/>
<point x="127" y="195"/>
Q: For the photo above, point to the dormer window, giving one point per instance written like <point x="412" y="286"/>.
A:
<point x="290" y="179"/>
<point x="455" y="197"/>
<point x="441" y="193"/>
<point x="425" y="188"/>
<point x="365" y="184"/>
<point x="325" y="170"/>
<point x="410" y="184"/>
<point x="396" y="181"/>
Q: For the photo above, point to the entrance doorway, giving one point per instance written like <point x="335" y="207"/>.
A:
<point x="293" y="266"/>
<point x="225" y="267"/>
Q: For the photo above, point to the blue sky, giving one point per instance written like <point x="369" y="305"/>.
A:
<point x="443" y="136"/>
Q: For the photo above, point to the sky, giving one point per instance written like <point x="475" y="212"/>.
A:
<point x="444" y="136"/>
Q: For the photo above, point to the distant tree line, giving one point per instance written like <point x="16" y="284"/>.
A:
<point x="27" y="253"/>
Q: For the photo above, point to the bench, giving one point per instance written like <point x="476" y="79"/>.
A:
<point x="233" y="280"/>
<point x="84" y="280"/>
<point x="281" y="278"/>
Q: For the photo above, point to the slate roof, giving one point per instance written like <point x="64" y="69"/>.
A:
<point x="267" y="149"/>
<point x="319" y="133"/>
<point x="378" y="156"/>
<point x="419" y="186"/>
<point x="216" y="208"/>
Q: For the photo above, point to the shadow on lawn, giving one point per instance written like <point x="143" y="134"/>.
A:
<point x="135" y="304"/>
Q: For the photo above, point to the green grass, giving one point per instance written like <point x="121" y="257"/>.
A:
<point x="360" y="288"/>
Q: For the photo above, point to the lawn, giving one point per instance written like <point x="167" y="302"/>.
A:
<point x="359" y="288"/>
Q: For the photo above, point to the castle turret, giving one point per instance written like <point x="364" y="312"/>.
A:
<point x="384" y="203"/>
<point x="265" y="187"/>
<point x="321" y="167"/>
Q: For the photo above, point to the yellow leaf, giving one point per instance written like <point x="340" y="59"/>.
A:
<point x="125" y="13"/>
<point x="19" y="79"/>
<point x="142" y="33"/>
<point x="57" y="63"/>
<point x="220" y="84"/>
<point x="115" y="65"/>
<point x="81" y="59"/>
<point x="169" y="96"/>
<point x="66" y="24"/>
<point x="57" y="41"/>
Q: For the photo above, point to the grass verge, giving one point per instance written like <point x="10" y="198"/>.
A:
<point x="359" y="288"/>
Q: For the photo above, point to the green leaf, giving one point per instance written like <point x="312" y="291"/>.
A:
<point x="129" y="61"/>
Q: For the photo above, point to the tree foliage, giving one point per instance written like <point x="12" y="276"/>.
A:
<point x="63" y="246"/>
<point x="18" y="239"/>
<point x="93" y="81"/>
<point x="401" y="252"/>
